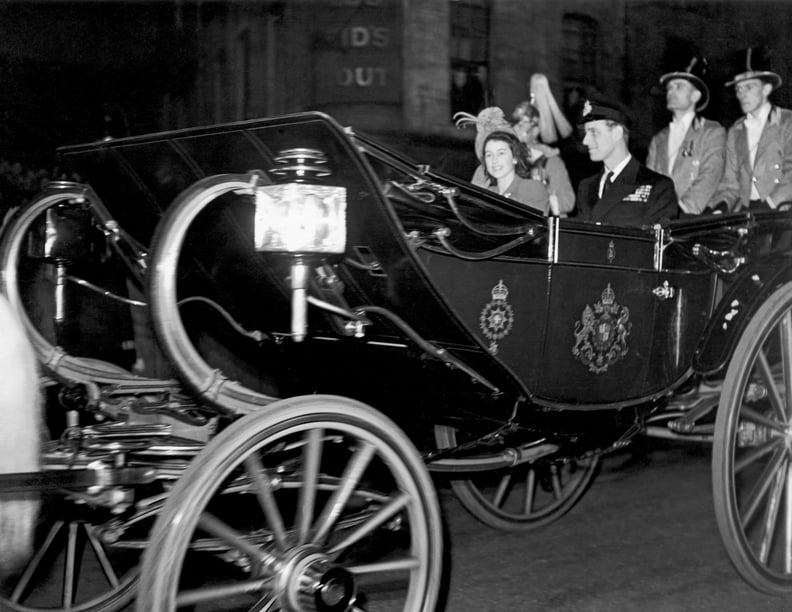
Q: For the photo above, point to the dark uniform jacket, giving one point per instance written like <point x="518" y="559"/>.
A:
<point x="638" y="196"/>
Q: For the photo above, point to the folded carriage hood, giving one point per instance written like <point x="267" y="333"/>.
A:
<point x="138" y="178"/>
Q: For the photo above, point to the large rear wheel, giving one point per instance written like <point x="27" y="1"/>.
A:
<point x="752" y="451"/>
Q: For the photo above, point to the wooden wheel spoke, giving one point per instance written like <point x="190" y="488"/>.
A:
<point x="749" y="414"/>
<point x="312" y="455"/>
<point x="374" y="521"/>
<point x="785" y="328"/>
<point x="555" y="477"/>
<point x="24" y="581"/>
<point x="70" y="567"/>
<point x="766" y="373"/>
<point x="349" y="482"/>
<point x="101" y="557"/>
<point x="500" y="492"/>
<point x="530" y="491"/>
<point x="755" y="454"/>
<point x="191" y="597"/>
<point x="771" y="512"/>
<point x="266" y="498"/>
<point x="754" y="498"/>
<point x="403" y="564"/>
<point x="214" y="526"/>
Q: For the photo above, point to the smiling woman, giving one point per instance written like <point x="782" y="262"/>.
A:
<point x="507" y="171"/>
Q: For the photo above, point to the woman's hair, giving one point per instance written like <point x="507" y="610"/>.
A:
<point x="526" y="109"/>
<point x="522" y="168"/>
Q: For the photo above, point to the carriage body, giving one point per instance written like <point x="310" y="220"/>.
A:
<point x="509" y="348"/>
<point x="537" y="316"/>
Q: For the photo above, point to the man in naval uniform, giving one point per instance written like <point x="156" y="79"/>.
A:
<point x="758" y="172"/>
<point x="626" y="192"/>
<point x="690" y="149"/>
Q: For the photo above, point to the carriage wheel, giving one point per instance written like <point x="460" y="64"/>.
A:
<point x="334" y="511"/>
<point x="73" y="569"/>
<point x="526" y="496"/>
<point x="752" y="451"/>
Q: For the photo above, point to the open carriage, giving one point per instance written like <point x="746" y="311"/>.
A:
<point x="217" y="310"/>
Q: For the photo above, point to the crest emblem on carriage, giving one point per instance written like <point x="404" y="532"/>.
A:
<point x="601" y="333"/>
<point x="497" y="317"/>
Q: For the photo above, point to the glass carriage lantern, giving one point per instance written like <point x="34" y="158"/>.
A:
<point x="302" y="217"/>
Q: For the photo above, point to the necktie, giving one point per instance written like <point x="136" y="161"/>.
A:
<point x="606" y="185"/>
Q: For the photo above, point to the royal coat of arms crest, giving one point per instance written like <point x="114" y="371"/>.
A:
<point x="601" y="333"/>
<point x="497" y="317"/>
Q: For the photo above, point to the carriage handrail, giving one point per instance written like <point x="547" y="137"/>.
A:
<point x="725" y="261"/>
<point x="442" y="233"/>
<point x="450" y="194"/>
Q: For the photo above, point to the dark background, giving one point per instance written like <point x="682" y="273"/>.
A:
<point x="78" y="71"/>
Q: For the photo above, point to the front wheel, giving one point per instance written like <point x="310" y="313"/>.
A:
<point x="752" y="450"/>
<point x="325" y="505"/>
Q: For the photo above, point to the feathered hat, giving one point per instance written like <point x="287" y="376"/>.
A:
<point x="490" y="119"/>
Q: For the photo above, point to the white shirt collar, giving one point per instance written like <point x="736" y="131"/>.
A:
<point x="619" y="167"/>
<point x="762" y="115"/>
<point x="683" y="123"/>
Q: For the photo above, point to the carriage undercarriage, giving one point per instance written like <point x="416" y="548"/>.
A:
<point x="188" y="482"/>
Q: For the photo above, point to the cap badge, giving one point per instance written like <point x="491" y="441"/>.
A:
<point x="586" y="108"/>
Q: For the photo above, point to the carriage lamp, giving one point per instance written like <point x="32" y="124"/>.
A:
<point x="302" y="217"/>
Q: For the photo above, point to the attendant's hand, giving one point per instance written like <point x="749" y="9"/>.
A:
<point x="555" y="210"/>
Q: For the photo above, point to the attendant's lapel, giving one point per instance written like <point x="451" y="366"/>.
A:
<point x="685" y="152"/>
<point x="741" y="144"/>
<point x="770" y="133"/>
<point x="662" y="149"/>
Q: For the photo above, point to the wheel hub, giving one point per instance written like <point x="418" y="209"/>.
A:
<point x="312" y="583"/>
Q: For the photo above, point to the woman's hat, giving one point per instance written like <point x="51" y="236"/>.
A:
<point x="490" y="119"/>
<point x="754" y="63"/>
<point x="695" y="70"/>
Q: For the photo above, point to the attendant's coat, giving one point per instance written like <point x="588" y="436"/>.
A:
<point x="638" y="196"/>
<point x="772" y="168"/>
<point x="698" y="166"/>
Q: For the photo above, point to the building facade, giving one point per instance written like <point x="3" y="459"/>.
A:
<point x="399" y="69"/>
<point x="396" y="69"/>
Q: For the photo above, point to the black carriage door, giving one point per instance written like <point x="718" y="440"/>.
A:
<point x="601" y="315"/>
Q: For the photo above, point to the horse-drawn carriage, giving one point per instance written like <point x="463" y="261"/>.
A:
<point x="217" y="310"/>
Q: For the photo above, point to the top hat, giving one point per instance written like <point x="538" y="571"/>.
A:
<point x="754" y="63"/>
<point x="695" y="71"/>
<point x="607" y="110"/>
